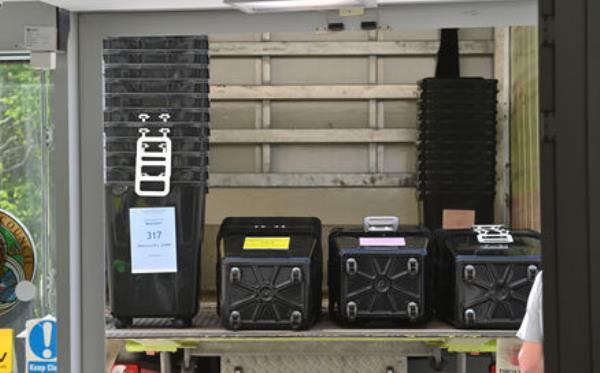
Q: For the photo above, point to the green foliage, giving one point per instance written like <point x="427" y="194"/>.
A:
<point x="21" y="136"/>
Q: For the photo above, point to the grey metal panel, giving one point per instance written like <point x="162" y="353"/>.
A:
<point x="232" y="158"/>
<point x="232" y="114"/>
<point x="320" y="36"/>
<point x="477" y="66"/>
<point x="400" y="114"/>
<point x="314" y="363"/>
<point x="14" y="16"/>
<point x="67" y="193"/>
<point x="400" y="158"/>
<point x="319" y="114"/>
<point x="320" y="158"/>
<point x="407" y="70"/>
<point x="206" y="325"/>
<point x="232" y="70"/>
<point x="569" y="182"/>
<point x="330" y="70"/>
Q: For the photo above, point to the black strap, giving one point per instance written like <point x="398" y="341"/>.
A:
<point x="448" y="66"/>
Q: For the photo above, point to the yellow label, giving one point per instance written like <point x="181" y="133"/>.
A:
<point x="6" y="350"/>
<point x="266" y="243"/>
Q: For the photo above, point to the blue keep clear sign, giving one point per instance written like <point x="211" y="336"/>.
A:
<point x="41" y="345"/>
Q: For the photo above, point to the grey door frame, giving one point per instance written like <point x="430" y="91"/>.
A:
<point x="79" y="138"/>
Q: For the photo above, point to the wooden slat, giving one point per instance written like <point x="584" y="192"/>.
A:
<point x="378" y="48"/>
<point x="327" y="136"/>
<point x="280" y="180"/>
<point x="313" y="92"/>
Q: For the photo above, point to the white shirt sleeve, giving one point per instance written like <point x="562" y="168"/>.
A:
<point x="532" y="328"/>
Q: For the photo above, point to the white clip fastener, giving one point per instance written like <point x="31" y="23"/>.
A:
<point x="153" y="151"/>
<point x="492" y="234"/>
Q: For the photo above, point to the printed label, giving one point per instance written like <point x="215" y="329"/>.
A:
<point x="267" y="243"/>
<point x="153" y="240"/>
<point x="41" y="345"/>
<point x="6" y="350"/>
<point x="381" y="241"/>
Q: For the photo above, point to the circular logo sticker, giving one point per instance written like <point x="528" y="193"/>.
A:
<point x="17" y="259"/>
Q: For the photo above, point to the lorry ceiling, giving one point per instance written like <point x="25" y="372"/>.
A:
<point x="150" y="5"/>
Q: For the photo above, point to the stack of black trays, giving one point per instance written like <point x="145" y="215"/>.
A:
<point x="485" y="284"/>
<point x="457" y="147"/>
<point x="269" y="273"/>
<point x="379" y="276"/>
<point x="159" y="86"/>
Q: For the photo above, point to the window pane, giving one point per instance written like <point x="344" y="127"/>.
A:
<point x="25" y="195"/>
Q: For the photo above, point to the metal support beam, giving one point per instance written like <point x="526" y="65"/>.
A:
<point x="461" y="362"/>
<point x="313" y="92"/>
<point x="294" y="136"/>
<point x="290" y="180"/>
<point x="370" y="48"/>
<point x="165" y="362"/>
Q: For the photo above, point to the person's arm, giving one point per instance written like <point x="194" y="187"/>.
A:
<point x="531" y="357"/>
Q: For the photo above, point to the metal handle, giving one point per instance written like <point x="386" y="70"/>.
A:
<point x="381" y="223"/>
<point x="153" y="158"/>
<point x="492" y="234"/>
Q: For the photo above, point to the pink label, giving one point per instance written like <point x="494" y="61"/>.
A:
<point x="382" y="241"/>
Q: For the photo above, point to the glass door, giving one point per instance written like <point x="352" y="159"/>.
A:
<point x="27" y="249"/>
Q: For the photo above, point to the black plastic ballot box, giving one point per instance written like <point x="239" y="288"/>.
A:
<point x="380" y="273"/>
<point x="269" y="272"/>
<point x="484" y="275"/>
<point x="156" y="136"/>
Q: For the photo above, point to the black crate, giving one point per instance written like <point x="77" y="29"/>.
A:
<point x="178" y="160"/>
<point x="179" y="115"/>
<point x="153" y="56"/>
<point x="486" y="106"/>
<point x="458" y="155"/>
<point x="461" y="124"/>
<point x="456" y="136"/>
<point x="143" y="85"/>
<point x="156" y="72"/>
<point x="436" y="200"/>
<point x="156" y="42"/>
<point x="381" y="281"/>
<point x="155" y="295"/>
<point x="179" y="145"/>
<point x="263" y="285"/>
<point x="452" y="115"/>
<point x="475" y="165"/>
<point x="484" y="285"/>
<point x="178" y="175"/>
<point x="472" y="83"/>
<point x="130" y="130"/>
<point x="153" y="100"/>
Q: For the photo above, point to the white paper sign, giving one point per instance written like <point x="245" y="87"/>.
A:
<point x="153" y="240"/>
<point x="41" y="345"/>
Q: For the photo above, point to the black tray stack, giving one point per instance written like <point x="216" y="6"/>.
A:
<point x="156" y="88"/>
<point x="457" y="147"/>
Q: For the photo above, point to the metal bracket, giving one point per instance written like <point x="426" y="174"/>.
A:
<point x="532" y="272"/>
<point x="469" y="273"/>
<point x="413" y="266"/>
<point x="413" y="310"/>
<point x="470" y="316"/>
<point x="381" y="224"/>
<point x="147" y="157"/>
<point x="352" y="311"/>
<point x="351" y="266"/>
<point x="296" y="319"/>
<point x="235" y="275"/>
<point x="296" y="275"/>
<point x="492" y="234"/>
